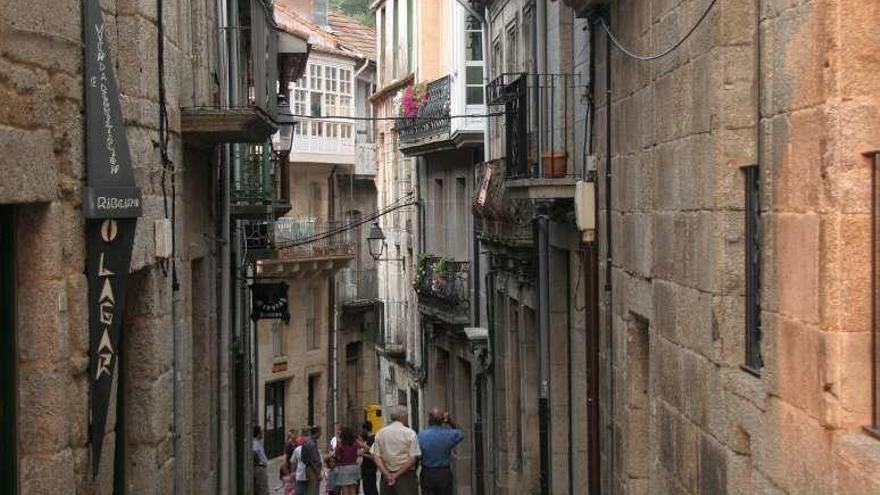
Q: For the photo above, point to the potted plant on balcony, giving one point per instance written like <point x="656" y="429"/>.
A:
<point x="422" y="273"/>
<point x="554" y="164"/>
<point x="440" y="275"/>
<point x="407" y="104"/>
<point x="414" y="98"/>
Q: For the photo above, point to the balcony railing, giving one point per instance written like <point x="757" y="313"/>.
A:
<point x="529" y="100"/>
<point x="254" y="179"/>
<point x="260" y="188"/>
<point x="444" y="281"/>
<point x="357" y="286"/>
<point x="310" y="239"/>
<point x="432" y="118"/>
<point x="498" y="217"/>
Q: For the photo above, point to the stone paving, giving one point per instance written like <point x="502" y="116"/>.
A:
<point x="275" y="486"/>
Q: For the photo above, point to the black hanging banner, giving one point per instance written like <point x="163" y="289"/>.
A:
<point x="269" y="302"/>
<point x="111" y="205"/>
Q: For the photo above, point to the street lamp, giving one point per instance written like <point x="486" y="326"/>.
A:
<point x="282" y="140"/>
<point x="376" y="241"/>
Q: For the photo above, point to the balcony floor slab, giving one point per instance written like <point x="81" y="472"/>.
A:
<point x="540" y="188"/>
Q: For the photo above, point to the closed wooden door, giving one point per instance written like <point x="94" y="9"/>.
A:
<point x="274" y="419"/>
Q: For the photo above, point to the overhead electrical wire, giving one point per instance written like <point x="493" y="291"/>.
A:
<point x="343" y="228"/>
<point x="626" y="51"/>
<point x="376" y="119"/>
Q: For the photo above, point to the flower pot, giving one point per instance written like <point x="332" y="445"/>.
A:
<point x="554" y="164"/>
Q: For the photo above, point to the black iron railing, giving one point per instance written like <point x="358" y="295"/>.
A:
<point x="531" y="102"/>
<point x="432" y="117"/>
<point x="498" y="217"/>
<point x="253" y="182"/>
<point x="258" y="235"/>
<point x="306" y="239"/>
<point x="443" y="280"/>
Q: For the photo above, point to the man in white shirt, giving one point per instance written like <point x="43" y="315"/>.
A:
<point x="395" y="451"/>
<point x="299" y="467"/>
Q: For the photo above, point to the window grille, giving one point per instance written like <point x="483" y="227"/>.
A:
<point x="753" y="359"/>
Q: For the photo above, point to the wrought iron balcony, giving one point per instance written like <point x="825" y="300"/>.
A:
<point x="444" y="284"/>
<point x="258" y="240"/>
<point x="309" y="239"/>
<point x="305" y="247"/>
<point x="532" y="102"/>
<point x="500" y="219"/>
<point x="430" y="124"/>
<point x="357" y="287"/>
<point x="260" y="188"/>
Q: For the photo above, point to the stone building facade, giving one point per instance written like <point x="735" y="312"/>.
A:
<point x="399" y="343"/>
<point x="45" y="289"/>
<point x="299" y="381"/>
<point x="178" y="417"/>
<point x="717" y="376"/>
<point x="524" y="212"/>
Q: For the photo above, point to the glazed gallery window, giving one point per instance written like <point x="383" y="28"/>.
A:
<point x="324" y="91"/>
<point x="753" y="360"/>
<point x="473" y="60"/>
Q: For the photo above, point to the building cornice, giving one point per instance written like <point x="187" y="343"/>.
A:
<point x="384" y="91"/>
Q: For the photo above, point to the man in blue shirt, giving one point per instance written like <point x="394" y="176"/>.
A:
<point x="261" y="477"/>
<point x="436" y="442"/>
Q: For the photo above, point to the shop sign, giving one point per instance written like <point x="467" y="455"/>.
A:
<point x="269" y="301"/>
<point x="111" y="206"/>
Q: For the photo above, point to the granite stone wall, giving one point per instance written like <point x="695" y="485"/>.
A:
<point x="802" y="103"/>
<point x="42" y="166"/>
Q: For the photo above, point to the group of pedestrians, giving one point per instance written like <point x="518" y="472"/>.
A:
<point x="355" y="461"/>
<point x="398" y="450"/>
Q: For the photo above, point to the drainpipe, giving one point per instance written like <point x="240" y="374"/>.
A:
<point x="479" y="449"/>
<point x="241" y="336"/>
<point x="241" y="464"/>
<point x="539" y="67"/>
<point x="490" y="326"/>
<point x="224" y="465"/>
<point x="361" y="69"/>
<point x="331" y="315"/>
<point x="569" y="371"/>
<point x="176" y="314"/>
<point x="591" y="298"/>
<point x="487" y="66"/>
<point x="543" y="227"/>
<point x="608" y="259"/>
